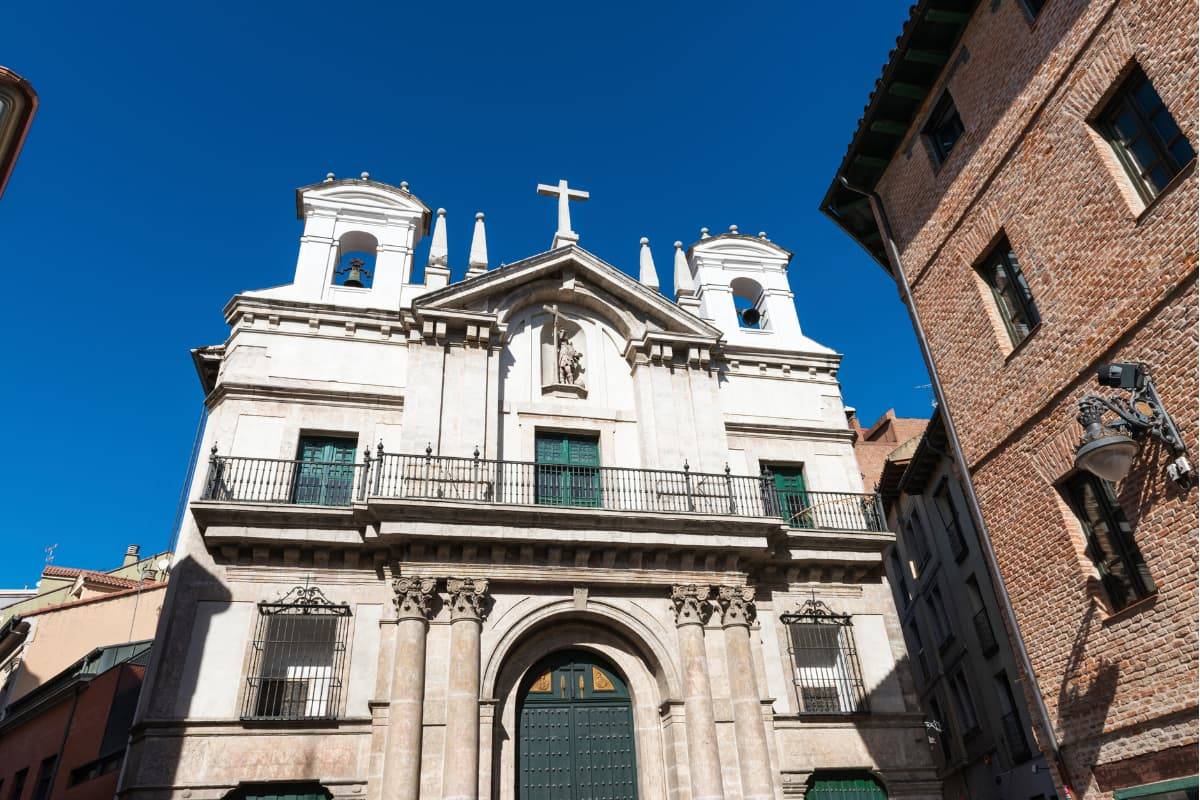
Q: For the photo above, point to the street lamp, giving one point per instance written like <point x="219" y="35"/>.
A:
<point x="1107" y="450"/>
<point x="18" y="102"/>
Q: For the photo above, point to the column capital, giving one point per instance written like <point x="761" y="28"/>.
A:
<point x="413" y="594"/>
<point x="468" y="598"/>
<point x="691" y="603"/>
<point x="737" y="605"/>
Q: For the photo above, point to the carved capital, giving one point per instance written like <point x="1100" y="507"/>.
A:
<point x="737" y="604"/>
<point x="468" y="598"/>
<point x="412" y="598"/>
<point x="691" y="604"/>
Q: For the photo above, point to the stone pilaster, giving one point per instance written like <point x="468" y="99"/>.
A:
<point x="468" y="606"/>
<point x="402" y="764"/>
<point x="754" y="763"/>
<point x="692" y="610"/>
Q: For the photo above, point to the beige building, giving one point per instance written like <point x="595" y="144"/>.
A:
<point x="71" y="613"/>
<point x="541" y="532"/>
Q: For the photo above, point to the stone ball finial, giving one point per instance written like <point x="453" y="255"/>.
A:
<point x="678" y="245"/>
<point x="404" y="186"/>
<point x="762" y="234"/>
<point x="441" y="212"/>
<point x="704" y="233"/>
<point x="479" y="215"/>
<point x="328" y="177"/>
<point x="733" y="229"/>
<point x="365" y="176"/>
<point x="644" y="240"/>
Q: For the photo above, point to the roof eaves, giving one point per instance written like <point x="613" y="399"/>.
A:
<point x="939" y="21"/>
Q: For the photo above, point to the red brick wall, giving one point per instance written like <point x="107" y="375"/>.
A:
<point x="1113" y="280"/>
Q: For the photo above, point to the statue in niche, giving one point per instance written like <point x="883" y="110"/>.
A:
<point x="570" y="360"/>
<point x="562" y="357"/>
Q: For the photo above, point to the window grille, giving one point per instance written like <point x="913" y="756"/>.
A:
<point x="827" y="673"/>
<point x="296" y="662"/>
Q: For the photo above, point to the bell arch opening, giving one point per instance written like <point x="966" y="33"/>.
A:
<point x="355" y="267"/>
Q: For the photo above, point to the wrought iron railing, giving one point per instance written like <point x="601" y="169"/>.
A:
<point x="481" y="480"/>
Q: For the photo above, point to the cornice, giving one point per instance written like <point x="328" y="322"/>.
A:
<point x="743" y="427"/>
<point x="230" y="390"/>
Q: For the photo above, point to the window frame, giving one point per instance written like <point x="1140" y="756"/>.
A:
<point x="943" y="501"/>
<point x="945" y="111"/>
<point x="304" y="602"/>
<point x="1002" y="254"/>
<point x="964" y="704"/>
<point x="1033" y="8"/>
<point x="561" y="482"/>
<point x="1140" y="582"/>
<point x="1124" y="98"/>
<point x="847" y="681"/>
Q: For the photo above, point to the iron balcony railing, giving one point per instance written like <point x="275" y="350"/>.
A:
<point x="237" y="479"/>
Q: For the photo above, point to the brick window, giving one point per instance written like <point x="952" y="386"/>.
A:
<point x="943" y="129"/>
<point x="297" y="657"/>
<point x="1109" y="536"/>
<point x="1001" y="271"/>
<point x="1033" y="7"/>
<point x="1144" y="135"/>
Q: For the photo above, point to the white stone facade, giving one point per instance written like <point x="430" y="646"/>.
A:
<point x="676" y="572"/>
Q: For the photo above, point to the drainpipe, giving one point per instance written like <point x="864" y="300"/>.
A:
<point x="893" y="255"/>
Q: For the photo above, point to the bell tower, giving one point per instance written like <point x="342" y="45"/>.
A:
<point x="742" y="287"/>
<point x="357" y="245"/>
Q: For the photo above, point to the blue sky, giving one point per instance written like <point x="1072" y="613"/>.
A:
<point x="158" y="181"/>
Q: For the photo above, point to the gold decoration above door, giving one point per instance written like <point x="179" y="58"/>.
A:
<point x="544" y="683"/>
<point x="600" y="681"/>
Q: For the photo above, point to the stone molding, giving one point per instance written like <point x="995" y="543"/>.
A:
<point x="691" y="601"/>
<point x="737" y="605"/>
<point x="468" y="598"/>
<point x="412" y="597"/>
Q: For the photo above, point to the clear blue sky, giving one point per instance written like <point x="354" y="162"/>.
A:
<point x="158" y="181"/>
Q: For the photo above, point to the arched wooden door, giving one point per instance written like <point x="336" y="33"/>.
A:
<point x="575" y="731"/>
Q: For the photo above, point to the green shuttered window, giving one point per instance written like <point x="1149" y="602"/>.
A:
<point x="568" y="471"/>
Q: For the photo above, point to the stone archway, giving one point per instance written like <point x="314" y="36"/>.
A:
<point x="634" y="660"/>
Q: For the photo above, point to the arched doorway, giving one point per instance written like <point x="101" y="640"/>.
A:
<point x="575" y="731"/>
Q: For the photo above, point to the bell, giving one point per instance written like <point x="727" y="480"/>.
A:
<point x="354" y="277"/>
<point x="750" y="317"/>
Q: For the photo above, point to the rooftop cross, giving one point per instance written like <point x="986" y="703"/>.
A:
<point x="564" y="235"/>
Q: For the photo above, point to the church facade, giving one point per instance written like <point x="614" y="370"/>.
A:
<point x="541" y="532"/>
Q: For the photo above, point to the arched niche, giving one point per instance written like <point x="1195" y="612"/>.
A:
<point x="747" y="295"/>
<point x="355" y="263"/>
<point x="564" y="363"/>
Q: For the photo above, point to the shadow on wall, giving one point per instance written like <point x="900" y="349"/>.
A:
<point x="172" y="679"/>
<point x="1084" y="698"/>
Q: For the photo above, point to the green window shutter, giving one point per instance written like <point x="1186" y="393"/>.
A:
<point x="793" y="496"/>
<point x="568" y="470"/>
<point x="583" y="452"/>
<point x="325" y="475"/>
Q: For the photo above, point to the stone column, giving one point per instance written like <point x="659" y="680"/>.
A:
<point x="402" y="762"/>
<point x="754" y="762"/>
<point x="692" y="610"/>
<point x="460" y="776"/>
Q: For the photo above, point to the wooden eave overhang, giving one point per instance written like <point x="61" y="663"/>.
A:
<point x="922" y="51"/>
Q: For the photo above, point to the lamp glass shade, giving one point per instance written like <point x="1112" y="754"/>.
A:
<point x="1109" y="457"/>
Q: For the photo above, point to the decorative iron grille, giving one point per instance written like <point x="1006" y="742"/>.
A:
<point x="297" y="658"/>
<point x="827" y="673"/>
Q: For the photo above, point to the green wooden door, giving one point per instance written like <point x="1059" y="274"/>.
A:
<point x="568" y="471"/>
<point x="793" y="496"/>
<point x="845" y="786"/>
<point x="325" y="475"/>
<point x="575" y="731"/>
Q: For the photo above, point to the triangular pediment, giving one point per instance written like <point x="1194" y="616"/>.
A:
<point x="574" y="275"/>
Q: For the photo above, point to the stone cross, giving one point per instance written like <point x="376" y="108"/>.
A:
<point x="564" y="235"/>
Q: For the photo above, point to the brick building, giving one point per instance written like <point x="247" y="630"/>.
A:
<point x="873" y="445"/>
<point x="1025" y="171"/>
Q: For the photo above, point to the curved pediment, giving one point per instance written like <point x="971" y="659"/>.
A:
<point x="569" y="274"/>
<point x="361" y="193"/>
<point x="740" y="246"/>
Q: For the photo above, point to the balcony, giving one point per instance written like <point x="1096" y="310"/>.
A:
<point x="390" y="476"/>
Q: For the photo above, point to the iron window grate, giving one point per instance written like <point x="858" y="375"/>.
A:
<point x="826" y="669"/>
<point x="297" y="658"/>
